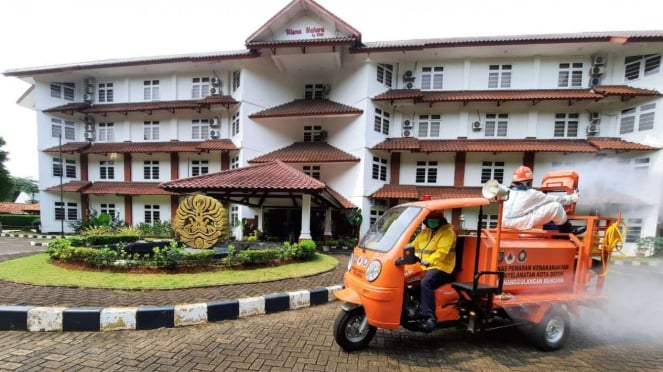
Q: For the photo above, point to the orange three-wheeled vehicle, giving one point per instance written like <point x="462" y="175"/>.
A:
<point x="531" y="279"/>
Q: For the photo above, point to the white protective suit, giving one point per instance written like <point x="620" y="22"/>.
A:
<point x="531" y="208"/>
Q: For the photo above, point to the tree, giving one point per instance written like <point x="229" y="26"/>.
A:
<point x="6" y="182"/>
<point x="355" y="219"/>
<point x="26" y="185"/>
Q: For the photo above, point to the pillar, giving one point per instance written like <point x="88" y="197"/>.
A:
<point x="128" y="210"/>
<point x="306" y="218"/>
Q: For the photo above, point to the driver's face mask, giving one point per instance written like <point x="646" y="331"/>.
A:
<point x="432" y="223"/>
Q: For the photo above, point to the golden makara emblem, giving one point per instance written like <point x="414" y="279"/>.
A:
<point x="200" y="221"/>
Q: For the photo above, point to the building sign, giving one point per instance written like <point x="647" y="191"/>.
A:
<point x="305" y="29"/>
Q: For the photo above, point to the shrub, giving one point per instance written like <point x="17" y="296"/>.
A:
<point x="168" y="256"/>
<point x="233" y="259"/>
<point x="110" y="239"/>
<point x="159" y="229"/>
<point x="305" y="250"/>
<point x="204" y="257"/>
<point x="260" y="256"/>
<point x="16" y="220"/>
<point x="56" y="247"/>
<point x="77" y="241"/>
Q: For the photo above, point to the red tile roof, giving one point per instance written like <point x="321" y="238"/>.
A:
<point x="18" y="208"/>
<point x="307" y="152"/>
<point x="485" y="145"/>
<point x="72" y="186"/>
<point x="126" y="107"/>
<point x="535" y="95"/>
<point x="268" y="176"/>
<point x="301" y="42"/>
<point x="617" y="144"/>
<point x="144" y="147"/>
<point x="345" y="203"/>
<point x="70" y="147"/>
<point x="417" y="192"/>
<point x="307" y="108"/>
<point x="126" y="188"/>
<point x="420" y="44"/>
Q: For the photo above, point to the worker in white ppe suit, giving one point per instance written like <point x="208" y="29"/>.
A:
<point x="528" y="208"/>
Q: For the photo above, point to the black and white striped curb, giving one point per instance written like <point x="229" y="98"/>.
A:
<point x="46" y="319"/>
<point x="636" y="263"/>
<point x="28" y="236"/>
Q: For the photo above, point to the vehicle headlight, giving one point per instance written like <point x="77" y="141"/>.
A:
<point x="373" y="270"/>
<point x="352" y="257"/>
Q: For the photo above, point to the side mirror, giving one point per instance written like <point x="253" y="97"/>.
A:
<point x="408" y="257"/>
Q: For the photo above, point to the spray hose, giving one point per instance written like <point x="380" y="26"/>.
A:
<point x="612" y="240"/>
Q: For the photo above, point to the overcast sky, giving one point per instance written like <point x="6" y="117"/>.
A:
<point x="45" y="32"/>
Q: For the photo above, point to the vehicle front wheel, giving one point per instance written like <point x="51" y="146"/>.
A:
<point x="553" y="330"/>
<point x="351" y="331"/>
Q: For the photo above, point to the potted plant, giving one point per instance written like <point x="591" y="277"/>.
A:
<point x="644" y="246"/>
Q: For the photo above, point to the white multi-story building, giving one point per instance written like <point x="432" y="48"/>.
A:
<point x="377" y="122"/>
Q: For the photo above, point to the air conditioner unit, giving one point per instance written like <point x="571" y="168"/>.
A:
<point x="88" y="97"/>
<point x="214" y="91"/>
<point x="408" y="74"/>
<point x="407" y="133"/>
<point x="215" y="81"/>
<point x="407" y="124"/>
<point x="89" y="127"/>
<point x="594" y="80"/>
<point x="214" y="122"/>
<point x="214" y="133"/>
<point x="598" y="70"/>
<point x="409" y="85"/>
<point x="598" y="60"/>
<point x="476" y="126"/>
<point x="89" y="119"/>
<point x="89" y="136"/>
<point x="592" y="129"/>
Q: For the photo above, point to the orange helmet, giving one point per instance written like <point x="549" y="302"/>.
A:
<point x="521" y="174"/>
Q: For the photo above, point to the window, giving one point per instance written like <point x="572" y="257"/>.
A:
<point x="496" y="125"/>
<point x="379" y="169"/>
<point x="499" y="76"/>
<point x="312" y="133"/>
<point x="63" y="90"/>
<point x="151" y="130"/>
<point x="109" y="209"/>
<point x="312" y="171"/>
<point x="151" y="90"/>
<point x="151" y="169"/>
<point x="106" y="170"/>
<point x="488" y="221"/>
<point x="200" y="87"/>
<point x="234" y="162"/>
<point x="426" y="172"/>
<point x="152" y="214"/>
<point x="646" y="121"/>
<point x="381" y="124"/>
<point x="643" y="115"/>
<point x="385" y="74"/>
<point x="429" y="125"/>
<point x="234" y="124"/>
<point x="236" y="79"/>
<point x="105" y="92"/>
<point x="66" y="211"/>
<point x="69" y="129"/>
<point x="314" y="91"/>
<point x="636" y="67"/>
<point x="377" y="210"/>
<point x="199" y="167"/>
<point x="570" y="75"/>
<point x="641" y="166"/>
<point x="69" y="168"/>
<point x="634" y="232"/>
<point x="234" y="216"/>
<point x="492" y="171"/>
<point x="105" y="132"/>
<point x="431" y="78"/>
<point x="200" y="129"/>
<point x="566" y="125"/>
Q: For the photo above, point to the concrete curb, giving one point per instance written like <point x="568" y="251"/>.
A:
<point x="28" y="236"/>
<point x="93" y="319"/>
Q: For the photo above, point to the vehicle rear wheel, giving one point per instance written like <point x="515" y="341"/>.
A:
<point x="348" y="331"/>
<point x="553" y="330"/>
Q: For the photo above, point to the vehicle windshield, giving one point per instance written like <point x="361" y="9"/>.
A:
<point x="385" y="232"/>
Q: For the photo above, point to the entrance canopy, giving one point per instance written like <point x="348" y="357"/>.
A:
<point x="273" y="184"/>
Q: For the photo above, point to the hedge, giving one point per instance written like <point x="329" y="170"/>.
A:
<point x="17" y="220"/>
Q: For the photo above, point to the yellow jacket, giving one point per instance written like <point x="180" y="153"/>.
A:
<point x="438" y="249"/>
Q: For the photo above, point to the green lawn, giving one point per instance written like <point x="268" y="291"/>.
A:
<point x="36" y="269"/>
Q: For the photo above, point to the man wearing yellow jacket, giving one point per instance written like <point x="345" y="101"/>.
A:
<point x="435" y="245"/>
